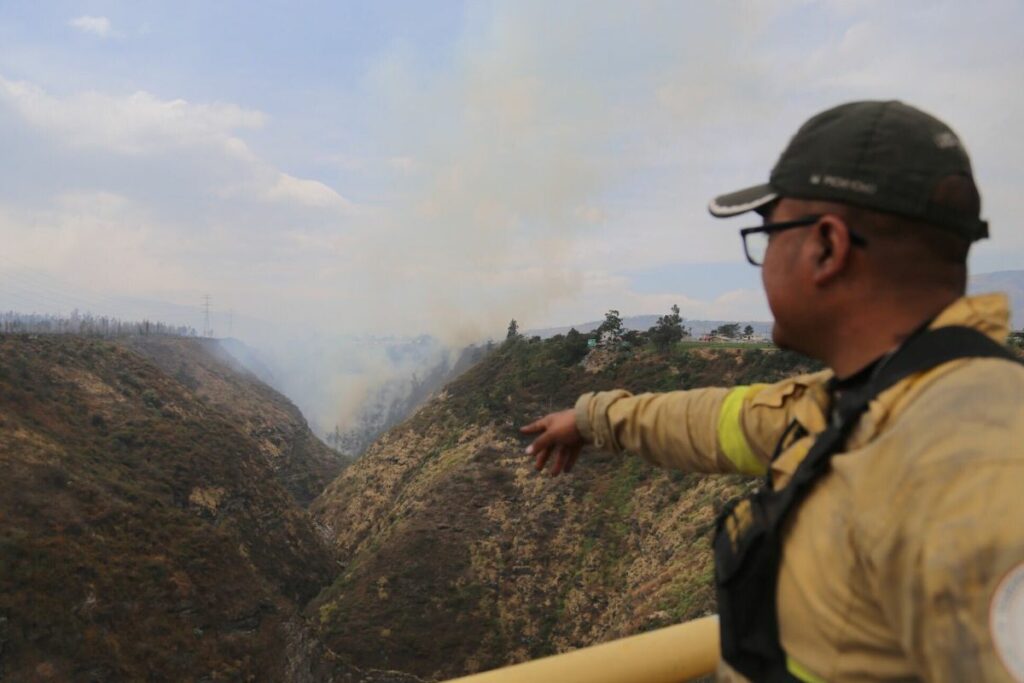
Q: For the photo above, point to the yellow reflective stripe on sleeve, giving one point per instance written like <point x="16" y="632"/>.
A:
<point x="798" y="670"/>
<point x="731" y="437"/>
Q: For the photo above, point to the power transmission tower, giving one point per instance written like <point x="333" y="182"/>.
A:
<point x="207" y="332"/>
<point x="231" y="321"/>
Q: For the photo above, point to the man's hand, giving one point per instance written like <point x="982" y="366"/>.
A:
<point x="559" y="441"/>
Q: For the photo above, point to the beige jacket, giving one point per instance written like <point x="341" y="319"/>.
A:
<point x="906" y="562"/>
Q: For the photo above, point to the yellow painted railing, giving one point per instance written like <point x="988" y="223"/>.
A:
<point x="669" y="655"/>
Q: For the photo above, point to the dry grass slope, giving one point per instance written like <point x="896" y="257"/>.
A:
<point x="458" y="557"/>
<point x="143" y="535"/>
<point x="300" y="461"/>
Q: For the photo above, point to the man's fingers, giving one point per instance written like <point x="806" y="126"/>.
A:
<point x="534" y="427"/>
<point x="542" y="458"/>
<point x="541" y="443"/>
<point x="553" y="444"/>
<point x="559" y="460"/>
<point x="546" y="449"/>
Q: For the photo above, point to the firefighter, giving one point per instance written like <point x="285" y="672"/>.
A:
<point x="887" y="541"/>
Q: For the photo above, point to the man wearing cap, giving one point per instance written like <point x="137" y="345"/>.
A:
<point x="887" y="542"/>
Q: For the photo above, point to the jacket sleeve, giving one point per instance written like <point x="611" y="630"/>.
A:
<point x="701" y="430"/>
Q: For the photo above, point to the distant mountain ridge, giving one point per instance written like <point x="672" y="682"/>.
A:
<point x="1010" y="282"/>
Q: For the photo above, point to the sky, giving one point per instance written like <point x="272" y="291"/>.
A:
<point x="354" y="168"/>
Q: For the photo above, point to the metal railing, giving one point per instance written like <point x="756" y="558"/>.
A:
<point x="668" y="655"/>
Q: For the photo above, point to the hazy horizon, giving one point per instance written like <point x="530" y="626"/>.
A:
<point x="401" y="168"/>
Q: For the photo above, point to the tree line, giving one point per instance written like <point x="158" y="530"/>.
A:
<point x="86" y="324"/>
<point x="611" y="333"/>
<point x="667" y="331"/>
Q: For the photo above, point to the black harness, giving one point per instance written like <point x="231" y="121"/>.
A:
<point x="748" y="538"/>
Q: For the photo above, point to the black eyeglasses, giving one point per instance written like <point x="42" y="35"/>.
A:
<point x="755" y="240"/>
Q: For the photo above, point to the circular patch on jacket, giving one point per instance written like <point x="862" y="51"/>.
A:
<point x="1006" y="620"/>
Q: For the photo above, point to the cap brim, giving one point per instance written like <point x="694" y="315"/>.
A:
<point x="742" y="201"/>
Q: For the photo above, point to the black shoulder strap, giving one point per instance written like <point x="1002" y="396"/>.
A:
<point x="924" y="351"/>
<point x="931" y="349"/>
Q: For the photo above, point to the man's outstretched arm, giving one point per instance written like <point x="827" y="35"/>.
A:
<point x="702" y="430"/>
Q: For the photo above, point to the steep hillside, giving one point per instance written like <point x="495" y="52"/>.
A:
<point x="459" y="557"/>
<point x="143" y="535"/>
<point x="300" y="461"/>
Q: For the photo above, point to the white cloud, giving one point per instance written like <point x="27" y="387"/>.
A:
<point x="97" y="26"/>
<point x="305" y="192"/>
<point x="102" y="240"/>
<point x="203" y="136"/>
<point x="589" y="214"/>
<point x="139" y="123"/>
<point x="402" y="163"/>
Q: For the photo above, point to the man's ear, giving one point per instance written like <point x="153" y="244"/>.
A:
<point x="830" y="245"/>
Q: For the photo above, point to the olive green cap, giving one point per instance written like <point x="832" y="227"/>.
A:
<point x="886" y="156"/>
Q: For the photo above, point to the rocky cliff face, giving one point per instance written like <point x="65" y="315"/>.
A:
<point x="144" y="534"/>
<point x="459" y="557"/>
